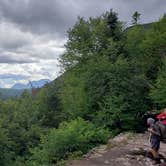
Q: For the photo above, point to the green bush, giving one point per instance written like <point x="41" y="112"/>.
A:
<point x="158" y="91"/>
<point x="78" y="135"/>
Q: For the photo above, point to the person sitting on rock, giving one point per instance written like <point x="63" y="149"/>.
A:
<point x="154" y="139"/>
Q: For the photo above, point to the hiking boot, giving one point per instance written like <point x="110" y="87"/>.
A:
<point x="156" y="161"/>
<point x="149" y="155"/>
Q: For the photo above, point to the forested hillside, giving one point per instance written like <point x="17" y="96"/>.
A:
<point x="9" y="93"/>
<point x="112" y="76"/>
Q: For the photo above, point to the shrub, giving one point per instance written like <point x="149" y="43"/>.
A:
<point x="78" y="135"/>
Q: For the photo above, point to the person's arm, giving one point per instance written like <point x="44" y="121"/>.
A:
<point x="153" y="131"/>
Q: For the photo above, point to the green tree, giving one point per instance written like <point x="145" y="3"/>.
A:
<point x="158" y="91"/>
<point x="76" y="136"/>
<point x="48" y="106"/>
<point x="153" y="49"/>
<point x="89" y="38"/>
<point x="135" y="18"/>
<point x="127" y="89"/>
<point x="114" y="24"/>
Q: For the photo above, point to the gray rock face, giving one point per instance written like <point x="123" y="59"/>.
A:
<point x="123" y="150"/>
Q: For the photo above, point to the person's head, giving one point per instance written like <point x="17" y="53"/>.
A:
<point x="150" y="121"/>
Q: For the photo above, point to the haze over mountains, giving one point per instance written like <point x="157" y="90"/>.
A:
<point x="34" y="84"/>
<point x="17" y="89"/>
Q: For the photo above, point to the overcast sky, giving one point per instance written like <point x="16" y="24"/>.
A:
<point x="33" y="32"/>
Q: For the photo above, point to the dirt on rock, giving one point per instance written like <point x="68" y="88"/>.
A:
<point x="123" y="150"/>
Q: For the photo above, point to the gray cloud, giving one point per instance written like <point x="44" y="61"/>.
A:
<point x="11" y="37"/>
<point x="49" y="16"/>
<point x="25" y="20"/>
<point x="17" y="46"/>
<point x="11" y="58"/>
<point x="13" y="76"/>
<point x="33" y="32"/>
<point x="56" y="16"/>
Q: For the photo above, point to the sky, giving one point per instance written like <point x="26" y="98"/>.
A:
<point x="33" y="32"/>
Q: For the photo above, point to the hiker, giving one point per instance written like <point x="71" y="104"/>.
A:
<point x="154" y="139"/>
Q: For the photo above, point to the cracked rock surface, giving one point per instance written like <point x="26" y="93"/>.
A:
<point x="123" y="150"/>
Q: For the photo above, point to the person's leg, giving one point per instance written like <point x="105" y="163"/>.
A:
<point x="155" y="145"/>
<point x="154" y="153"/>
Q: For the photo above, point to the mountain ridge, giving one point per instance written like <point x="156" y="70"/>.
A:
<point x="34" y="84"/>
<point x="17" y="89"/>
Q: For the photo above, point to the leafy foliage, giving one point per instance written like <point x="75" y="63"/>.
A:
<point x="78" y="135"/>
<point x="135" y="18"/>
<point x="158" y="91"/>
<point x="91" y="37"/>
<point x="112" y="77"/>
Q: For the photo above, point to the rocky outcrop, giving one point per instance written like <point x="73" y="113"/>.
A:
<point x="123" y="150"/>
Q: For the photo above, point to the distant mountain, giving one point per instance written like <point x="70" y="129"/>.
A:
<point x="35" y="84"/>
<point x="17" y="89"/>
<point x="20" y="86"/>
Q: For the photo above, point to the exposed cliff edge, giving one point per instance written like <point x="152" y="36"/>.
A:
<point x="123" y="150"/>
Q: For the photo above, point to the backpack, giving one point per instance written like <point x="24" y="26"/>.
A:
<point x="162" y="129"/>
<point x="162" y="117"/>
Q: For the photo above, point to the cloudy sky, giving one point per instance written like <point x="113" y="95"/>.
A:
<point x="33" y="32"/>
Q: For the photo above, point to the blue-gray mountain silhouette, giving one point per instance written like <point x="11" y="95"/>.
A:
<point x="35" y="84"/>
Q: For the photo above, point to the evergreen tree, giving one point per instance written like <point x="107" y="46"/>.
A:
<point x="135" y="18"/>
<point x="114" y="24"/>
<point x="89" y="38"/>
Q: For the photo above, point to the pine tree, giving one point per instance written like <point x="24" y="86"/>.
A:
<point x="135" y="17"/>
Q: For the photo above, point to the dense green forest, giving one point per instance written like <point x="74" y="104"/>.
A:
<point x="6" y="93"/>
<point x="112" y="76"/>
